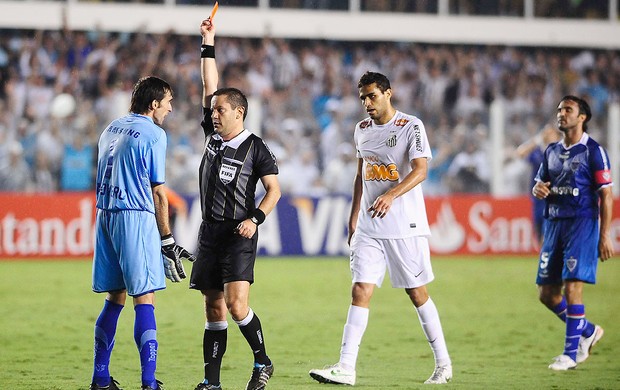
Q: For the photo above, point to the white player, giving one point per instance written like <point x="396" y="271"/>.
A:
<point x="388" y="227"/>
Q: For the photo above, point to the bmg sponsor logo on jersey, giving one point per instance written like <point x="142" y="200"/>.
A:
<point x="381" y="172"/>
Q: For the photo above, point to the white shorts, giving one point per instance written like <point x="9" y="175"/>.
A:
<point x="408" y="260"/>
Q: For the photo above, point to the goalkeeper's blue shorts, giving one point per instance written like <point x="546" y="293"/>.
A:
<point x="127" y="253"/>
<point x="569" y="251"/>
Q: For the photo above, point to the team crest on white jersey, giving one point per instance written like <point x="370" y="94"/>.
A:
<point x="227" y="173"/>
<point x="391" y="142"/>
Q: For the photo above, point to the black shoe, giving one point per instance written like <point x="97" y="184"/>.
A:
<point x="159" y="386"/>
<point x="112" y="386"/>
<point x="208" y="386"/>
<point x="260" y="377"/>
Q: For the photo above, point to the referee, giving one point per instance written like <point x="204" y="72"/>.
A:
<point x="233" y="162"/>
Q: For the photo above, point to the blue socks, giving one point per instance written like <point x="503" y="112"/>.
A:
<point x="105" y="330"/>
<point x="560" y="311"/>
<point x="145" y="335"/>
<point x="575" y="325"/>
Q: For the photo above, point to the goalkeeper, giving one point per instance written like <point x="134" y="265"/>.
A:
<point x="134" y="247"/>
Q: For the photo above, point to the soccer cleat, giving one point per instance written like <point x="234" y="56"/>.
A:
<point x="260" y="376"/>
<point x="159" y="386"/>
<point x="563" y="363"/>
<point x="112" y="386"/>
<point x="335" y="374"/>
<point x="208" y="386"/>
<point x="586" y="344"/>
<point x="441" y="375"/>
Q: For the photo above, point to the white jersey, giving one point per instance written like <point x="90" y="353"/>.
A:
<point x="387" y="151"/>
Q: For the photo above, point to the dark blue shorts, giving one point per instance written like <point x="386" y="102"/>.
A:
<point x="569" y="251"/>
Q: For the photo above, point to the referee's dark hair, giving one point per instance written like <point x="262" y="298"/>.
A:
<point x="146" y="90"/>
<point x="235" y="98"/>
<point x="373" y="77"/>
<point x="584" y="108"/>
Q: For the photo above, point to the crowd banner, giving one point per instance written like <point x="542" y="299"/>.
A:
<point x="62" y="225"/>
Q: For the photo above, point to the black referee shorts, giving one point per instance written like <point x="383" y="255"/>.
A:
<point x="222" y="256"/>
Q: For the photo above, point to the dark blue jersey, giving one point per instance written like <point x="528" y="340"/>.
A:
<point x="576" y="174"/>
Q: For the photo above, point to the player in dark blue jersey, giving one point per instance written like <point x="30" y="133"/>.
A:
<point x="234" y="161"/>
<point x="134" y="247"/>
<point x="575" y="181"/>
<point x="533" y="151"/>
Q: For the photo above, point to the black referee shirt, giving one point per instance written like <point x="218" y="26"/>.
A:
<point x="229" y="172"/>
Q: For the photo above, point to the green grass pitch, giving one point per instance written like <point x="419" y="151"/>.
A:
<point x="498" y="334"/>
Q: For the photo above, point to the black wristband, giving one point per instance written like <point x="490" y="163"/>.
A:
<point x="167" y="240"/>
<point x="257" y="216"/>
<point x="207" y="51"/>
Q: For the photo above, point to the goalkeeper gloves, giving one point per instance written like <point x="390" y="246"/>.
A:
<point x="173" y="258"/>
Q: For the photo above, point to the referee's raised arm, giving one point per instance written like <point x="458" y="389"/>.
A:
<point x="208" y="67"/>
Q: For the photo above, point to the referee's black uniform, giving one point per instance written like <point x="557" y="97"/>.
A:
<point x="229" y="172"/>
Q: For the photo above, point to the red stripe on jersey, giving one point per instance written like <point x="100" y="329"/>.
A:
<point x="602" y="177"/>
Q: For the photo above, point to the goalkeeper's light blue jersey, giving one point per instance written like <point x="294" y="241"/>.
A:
<point x="132" y="155"/>
<point x="576" y="174"/>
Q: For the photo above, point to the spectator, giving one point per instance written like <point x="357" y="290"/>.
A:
<point x="340" y="171"/>
<point x="469" y="171"/>
<point x="15" y="175"/>
<point x="77" y="166"/>
<point x="288" y="77"/>
<point x="43" y="178"/>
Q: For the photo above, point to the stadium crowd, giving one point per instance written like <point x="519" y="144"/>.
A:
<point x="306" y="92"/>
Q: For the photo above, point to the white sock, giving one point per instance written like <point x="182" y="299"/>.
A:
<point x="431" y="325"/>
<point x="354" y="329"/>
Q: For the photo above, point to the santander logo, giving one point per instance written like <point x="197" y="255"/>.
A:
<point x="447" y="235"/>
